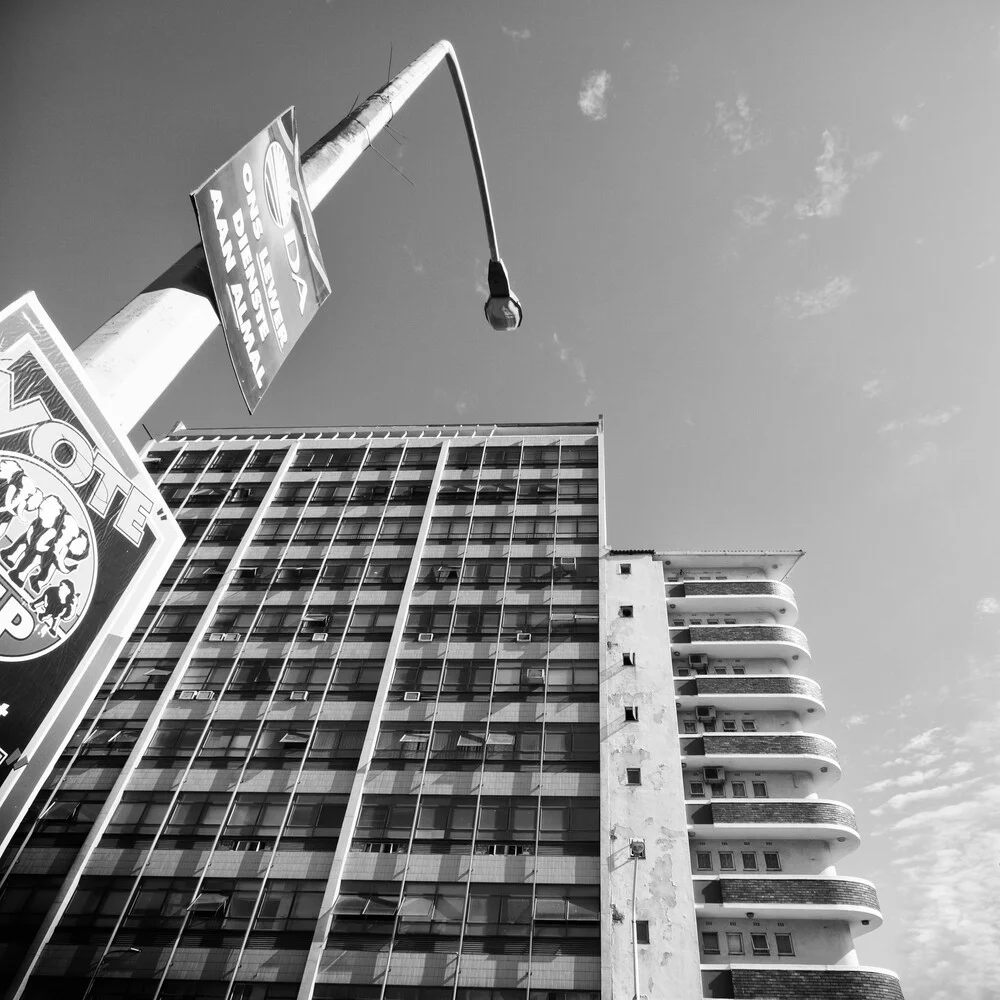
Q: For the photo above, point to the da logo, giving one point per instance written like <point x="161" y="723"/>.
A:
<point x="48" y="559"/>
<point x="277" y="185"/>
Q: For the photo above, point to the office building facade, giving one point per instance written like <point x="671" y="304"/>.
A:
<point x="399" y="725"/>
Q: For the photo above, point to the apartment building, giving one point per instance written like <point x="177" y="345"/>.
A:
<point x="399" y="725"/>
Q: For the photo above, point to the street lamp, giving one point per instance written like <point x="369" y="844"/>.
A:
<point x="136" y="354"/>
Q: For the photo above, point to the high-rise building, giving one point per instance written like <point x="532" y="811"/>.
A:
<point x="399" y="725"/>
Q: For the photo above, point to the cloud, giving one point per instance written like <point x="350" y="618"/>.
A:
<point x="818" y="301"/>
<point x="593" y="100"/>
<point x="465" y="399"/>
<point x="417" y="265"/>
<point x="673" y="74"/>
<point x="481" y="287"/>
<point x="936" y="419"/>
<point x="872" y="388"/>
<point x="902" y="121"/>
<point x="857" y="719"/>
<point x="992" y="259"/>
<point x="835" y="173"/>
<point x="754" y="210"/>
<point x="904" y="799"/>
<point x="737" y="122"/>
<point x="567" y="356"/>
<point x="922" y="740"/>
<point x="520" y="36"/>
<point x="988" y="606"/>
<point x="924" y="453"/>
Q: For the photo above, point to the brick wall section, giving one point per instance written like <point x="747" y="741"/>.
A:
<point x="825" y="892"/>
<point x="814" y="984"/>
<point x="768" y="684"/>
<point x="722" y="588"/>
<point x="818" y="746"/>
<point x="783" y="812"/>
<point x="748" y="633"/>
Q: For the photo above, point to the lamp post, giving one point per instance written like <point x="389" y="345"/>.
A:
<point x="137" y="353"/>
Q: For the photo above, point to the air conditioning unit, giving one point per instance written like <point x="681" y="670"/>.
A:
<point x="411" y="696"/>
<point x="535" y="673"/>
<point x="567" y="562"/>
<point x="523" y="637"/>
<point x="715" y="774"/>
<point x="298" y="696"/>
<point x="319" y="637"/>
<point x="425" y="637"/>
<point x="204" y="695"/>
<point x="698" y="660"/>
<point x="216" y="636"/>
<point x="705" y="713"/>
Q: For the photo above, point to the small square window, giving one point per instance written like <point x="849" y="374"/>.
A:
<point x="727" y="861"/>
<point x="703" y="859"/>
<point x="759" y="943"/>
<point x="729" y="725"/>
<point x="734" y="943"/>
<point x="625" y="611"/>
<point x="749" y="726"/>
<point x="633" y="775"/>
<point x="710" y="942"/>
<point x="642" y="932"/>
<point x="760" y="789"/>
<point x="729" y="621"/>
<point x="683" y="672"/>
<point x="749" y="859"/>
<point x="628" y="659"/>
<point x="739" y="671"/>
<point x="708" y="727"/>
<point x="772" y="862"/>
<point x="720" y="670"/>
<point x="783" y="944"/>
<point x="697" y="790"/>
<point x="739" y="789"/>
<point x="690" y="727"/>
<point x="631" y="713"/>
<point x="625" y="569"/>
<point x="718" y="789"/>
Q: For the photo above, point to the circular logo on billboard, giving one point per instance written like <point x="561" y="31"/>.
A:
<point x="48" y="558"/>
<point x="277" y="185"/>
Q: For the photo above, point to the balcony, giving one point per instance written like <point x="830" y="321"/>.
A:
<point x="750" y="641"/>
<point x="803" y="982"/>
<point x="765" y="752"/>
<point x="784" y="819"/>
<point x="735" y="595"/>
<point x="769" y="692"/>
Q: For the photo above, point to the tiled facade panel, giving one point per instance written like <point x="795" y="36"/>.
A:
<point x="775" y="812"/>
<point x="813" y="984"/>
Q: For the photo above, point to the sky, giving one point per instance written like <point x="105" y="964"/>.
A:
<point x="763" y="240"/>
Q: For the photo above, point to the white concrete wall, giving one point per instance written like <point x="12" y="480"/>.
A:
<point x="653" y="811"/>
<point x="816" y="942"/>
<point x="798" y="857"/>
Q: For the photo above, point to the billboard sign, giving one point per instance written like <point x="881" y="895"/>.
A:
<point x="263" y="256"/>
<point x="84" y="540"/>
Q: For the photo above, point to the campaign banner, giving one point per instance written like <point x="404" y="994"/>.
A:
<point x="85" y="538"/>
<point x="263" y="256"/>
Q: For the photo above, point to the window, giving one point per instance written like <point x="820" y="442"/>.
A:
<point x="759" y="943"/>
<point x="625" y="569"/>
<point x="697" y="790"/>
<point x="720" y="670"/>
<point x="628" y="659"/>
<point x="783" y="944"/>
<point x="734" y="943"/>
<point x="772" y="863"/>
<point x="710" y="943"/>
<point x="729" y="725"/>
<point x="642" y="932"/>
<point x="631" y="713"/>
<point x="760" y="789"/>
<point x="749" y="859"/>
<point x="739" y="789"/>
<point x="727" y="862"/>
<point x="718" y="789"/>
<point x="749" y="726"/>
<point x="708" y="727"/>
<point x="739" y="671"/>
<point x="703" y="861"/>
<point x="690" y="726"/>
<point x="633" y="775"/>
<point x="625" y="611"/>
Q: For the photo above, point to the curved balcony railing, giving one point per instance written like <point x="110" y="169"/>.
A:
<point x="766" y="751"/>
<point x="791" y="897"/>
<point x="827" y="982"/>
<point x="767" y="691"/>
<point x="744" y="640"/>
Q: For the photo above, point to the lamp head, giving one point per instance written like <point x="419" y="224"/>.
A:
<point x="503" y="310"/>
